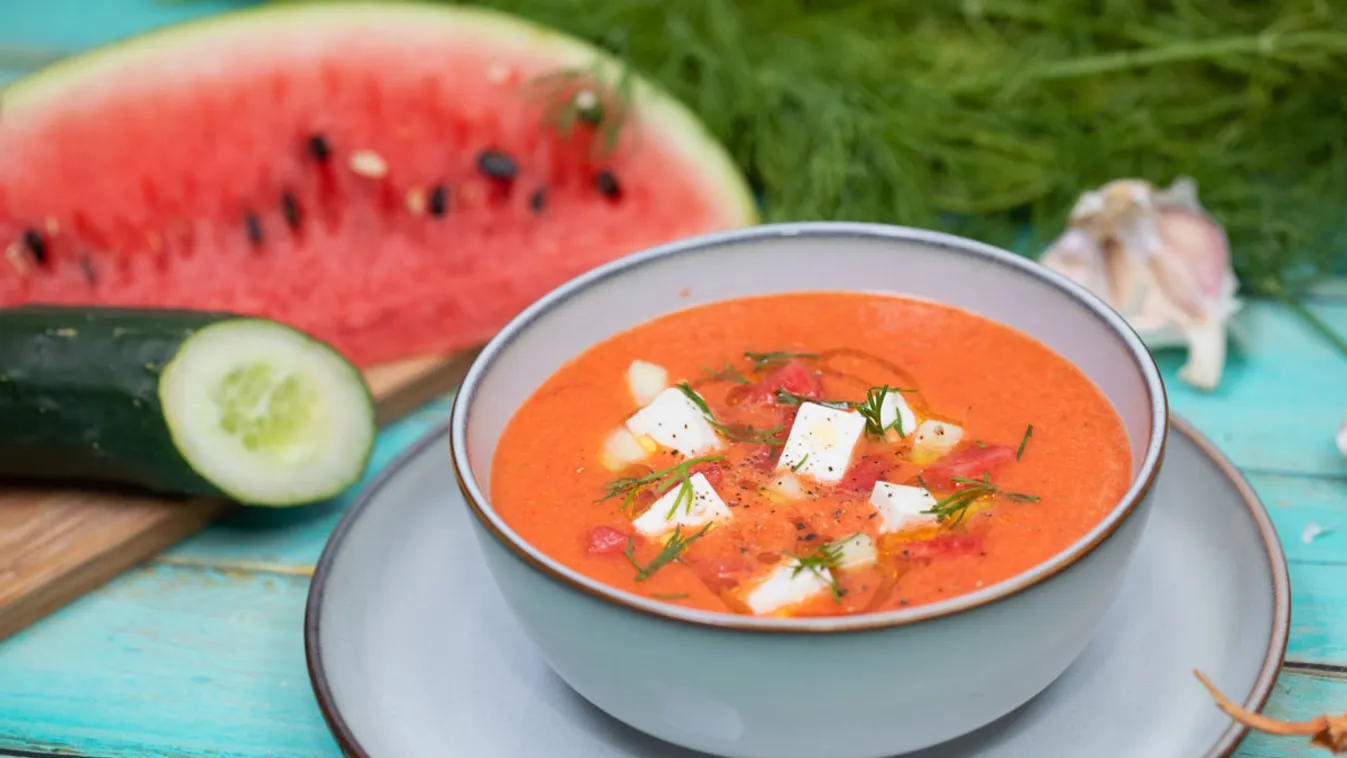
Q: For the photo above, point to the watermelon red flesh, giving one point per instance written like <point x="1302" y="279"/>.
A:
<point x="133" y="175"/>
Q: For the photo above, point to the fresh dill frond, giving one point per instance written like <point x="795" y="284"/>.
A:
<point x="954" y="507"/>
<point x="823" y="562"/>
<point x="677" y="474"/>
<point x="1028" y="432"/>
<point x="696" y="398"/>
<point x="800" y="463"/>
<point x="740" y="433"/>
<point x="673" y="548"/>
<point x="872" y="410"/>
<point x="1006" y="111"/>
<point x="763" y="360"/>
<point x="728" y="373"/>
<point x="784" y="396"/>
<point x="683" y="499"/>
<point x="598" y="96"/>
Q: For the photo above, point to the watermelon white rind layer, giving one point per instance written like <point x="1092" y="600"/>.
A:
<point x="55" y="182"/>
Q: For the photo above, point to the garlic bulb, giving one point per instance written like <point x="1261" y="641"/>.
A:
<point x="1161" y="262"/>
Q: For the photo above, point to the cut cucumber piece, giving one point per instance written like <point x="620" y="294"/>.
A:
<point x="180" y="401"/>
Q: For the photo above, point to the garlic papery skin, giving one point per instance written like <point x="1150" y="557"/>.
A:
<point x="1159" y="260"/>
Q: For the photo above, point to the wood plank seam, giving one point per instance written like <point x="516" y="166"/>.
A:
<point x="1327" y="670"/>
<point x="1326" y="476"/>
<point x="240" y="567"/>
<point x="5" y="751"/>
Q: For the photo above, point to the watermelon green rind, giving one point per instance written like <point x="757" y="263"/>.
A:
<point x="676" y="122"/>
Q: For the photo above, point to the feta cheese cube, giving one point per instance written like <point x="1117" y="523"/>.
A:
<point x="787" y="585"/>
<point x="854" y="551"/>
<point x="821" y="442"/>
<point x="646" y="381"/>
<point x="705" y="506"/>
<point x="674" y="421"/>
<point x="901" y="506"/>
<point x="894" y="407"/>
<point x="933" y="441"/>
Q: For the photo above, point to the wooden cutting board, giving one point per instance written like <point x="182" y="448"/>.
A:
<point x="57" y="544"/>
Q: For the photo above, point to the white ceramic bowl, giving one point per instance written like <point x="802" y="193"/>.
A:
<point x="842" y="687"/>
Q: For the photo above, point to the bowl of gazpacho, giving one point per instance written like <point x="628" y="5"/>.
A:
<point x="817" y="490"/>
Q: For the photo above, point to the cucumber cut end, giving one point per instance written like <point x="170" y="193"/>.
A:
<point x="267" y="414"/>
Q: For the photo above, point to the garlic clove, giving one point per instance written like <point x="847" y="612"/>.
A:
<point x="1157" y="258"/>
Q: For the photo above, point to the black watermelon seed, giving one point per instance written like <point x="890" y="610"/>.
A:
<point x="290" y="207"/>
<point x="253" y="228"/>
<point x="497" y="165"/>
<point x="319" y="149"/>
<point x="37" y="247"/>
<point x="538" y="200"/>
<point x="607" y="185"/>
<point x="438" y="202"/>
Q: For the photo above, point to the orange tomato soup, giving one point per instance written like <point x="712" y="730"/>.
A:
<point x="811" y="454"/>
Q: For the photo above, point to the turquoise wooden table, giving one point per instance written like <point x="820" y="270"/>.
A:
<point x="199" y="652"/>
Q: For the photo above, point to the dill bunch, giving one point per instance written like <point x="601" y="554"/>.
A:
<point x="987" y="118"/>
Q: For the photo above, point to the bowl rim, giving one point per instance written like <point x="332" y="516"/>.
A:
<point x="460" y="417"/>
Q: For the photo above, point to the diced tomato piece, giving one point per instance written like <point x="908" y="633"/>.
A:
<point x="969" y="463"/>
<point x="787" y="416"/>
<point x="605" y="540"/>
<point x="947" y="545"/>
<point x="862" y="475"/>
<point x="709" y="469"/>
<point x="765" y="457"/>
<point x="794" y="376"/>
<point x="721" y="573"/>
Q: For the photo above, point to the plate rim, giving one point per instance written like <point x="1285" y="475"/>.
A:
<point x="1224" y="746"/>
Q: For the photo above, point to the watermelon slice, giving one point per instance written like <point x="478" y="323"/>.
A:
<point x="393" y="179"/>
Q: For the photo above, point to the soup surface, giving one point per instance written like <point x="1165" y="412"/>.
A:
<point x="810" y="454"/>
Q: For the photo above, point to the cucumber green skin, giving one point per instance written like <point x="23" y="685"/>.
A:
<point x="79" y="396"/>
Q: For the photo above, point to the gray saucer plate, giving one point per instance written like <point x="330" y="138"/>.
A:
<point x="412" y="652"/>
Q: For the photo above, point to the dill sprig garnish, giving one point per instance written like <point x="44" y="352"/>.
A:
<point x="677" y="474"/>
<point x="1028" y="432"/>
<point x="1006" y="111"/>
<point x="954" y="507"/>
<point x="763" y="360"/>
<point x="872" y="410"/>
<point x="728" y="373"/>
<point x="599" y="96"/>
<point x="673" y="548"/>
<point x="823" y="562"/>
<point x="786" y="397"/>
<point x="800" y="463"/>
<point x="740" y="433"/>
